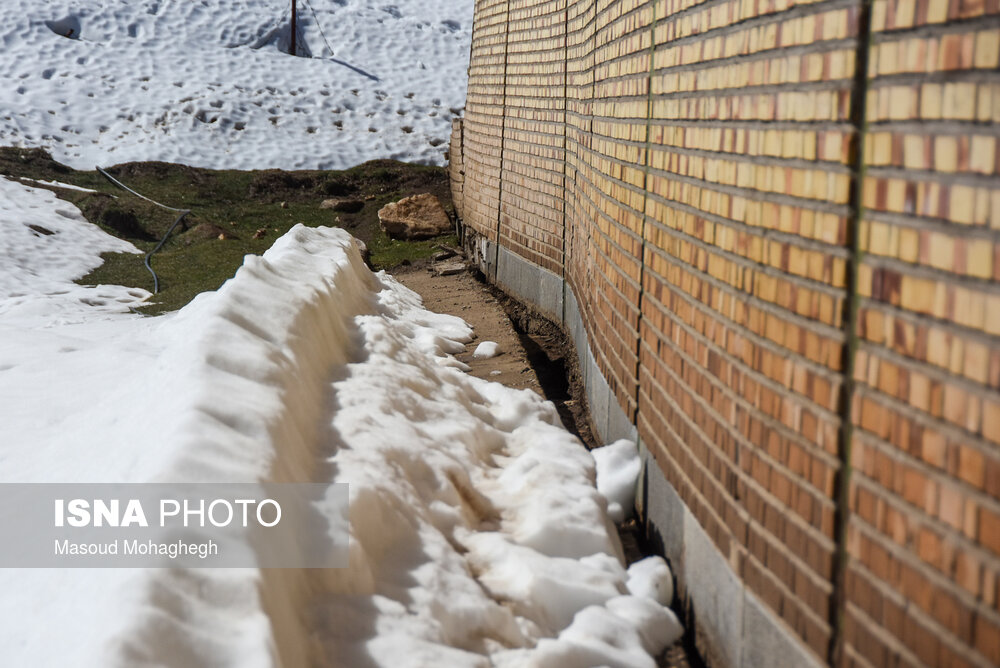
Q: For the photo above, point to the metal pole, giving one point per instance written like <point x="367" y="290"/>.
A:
<point x="292" y="50"/>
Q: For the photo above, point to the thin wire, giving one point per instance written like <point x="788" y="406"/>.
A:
<point x="320" y="26"/>
<point x="149" y="255"/>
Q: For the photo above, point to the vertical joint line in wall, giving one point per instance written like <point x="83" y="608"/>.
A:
<point x="503" y="137"/>
<point x="844" y="438"/>
<point x="565" y="143"/>
<point x="645" y="198"/>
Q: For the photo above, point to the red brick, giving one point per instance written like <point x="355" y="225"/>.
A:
<point x="970" y="466"/>
<point x="987" y="634"/>
<point x="989" y="529"/>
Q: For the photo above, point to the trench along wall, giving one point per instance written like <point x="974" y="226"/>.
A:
<point x="778" y="224"/>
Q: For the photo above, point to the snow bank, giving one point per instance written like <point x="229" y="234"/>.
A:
<point x="618" y="469"/>
<point x="477" y="535"/>
<point x="207" y="83"/>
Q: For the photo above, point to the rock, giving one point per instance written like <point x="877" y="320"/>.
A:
<point x="442" y="255"/>
<point x="362" y="248"/>
<point x="416" y="217"/>
<point x="449" y="268"/>
<point x="343" y="205"/>
<point x="207" y="231"/>
<point x="450" y="249"/>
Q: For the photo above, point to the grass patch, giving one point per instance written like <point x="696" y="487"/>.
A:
<point x="233" y="214"/>
<point x="387" y="253"/>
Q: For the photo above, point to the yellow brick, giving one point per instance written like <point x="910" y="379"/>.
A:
<point x="960" y="101"/>
<point x="832" y="145"/>
<point x="945" y="154"/>
<point x="904" y="13"/>
<point x="887" y="57"/>
<point x="977" y="357"/>
<point x="881" y="148"/>
<point x="937" y="11"/>
<point x="962" y="204"/>
<point x="878" y="242"/>
<point x="879" y="14"/>
<point x="982" y="210"/>
<point x="913" y="152"/>
<point x="992" y="315"/>
<point x="937" y="347"/>
<point x="930" y="101"/>
<point x="982" y="159"/>
<point x="987" y="55"/>
<point x="979" y="258"/>
<point x="865" y="281"/>
<point x="909" y="245"/>
<point x="989" y="103"/>
<point x="942" y="252"/>
<point x="896" y="195"/>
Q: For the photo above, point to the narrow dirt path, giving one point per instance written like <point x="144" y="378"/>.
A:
<point x="471" y="300"/>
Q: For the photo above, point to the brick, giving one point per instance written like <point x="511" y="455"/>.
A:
<point x="987" y="641"/>
<point x="970" y="466"/>
<point x="989" y="529"/>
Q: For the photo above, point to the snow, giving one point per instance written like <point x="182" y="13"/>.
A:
<point x="486" y="350"/>
<point x="58" y="184"/>
<point x="477" y="534"/>
<point x="210" y="83"/>
<point x="618" y="469"/>
<point x="651" y="578"/>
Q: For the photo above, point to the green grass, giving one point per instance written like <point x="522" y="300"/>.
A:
<point x="387" y="253"/>
<point x="234" y="204"/>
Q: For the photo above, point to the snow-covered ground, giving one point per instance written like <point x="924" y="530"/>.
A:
<point x="478" y="536"/>
<point x="209" y="82"/>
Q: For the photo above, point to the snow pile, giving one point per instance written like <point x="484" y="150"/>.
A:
<point x="46" y="243"/>
<point x="486" y="350"/>
<point x="477" y="535"/>
<point x="618" y="469"/>
<point x="651" y="578"/>
<point x="210" y="84"/>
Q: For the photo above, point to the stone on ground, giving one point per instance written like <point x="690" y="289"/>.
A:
<point x="417" y="217"/>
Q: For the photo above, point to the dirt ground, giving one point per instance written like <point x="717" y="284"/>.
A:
<point x="473" y="301"/>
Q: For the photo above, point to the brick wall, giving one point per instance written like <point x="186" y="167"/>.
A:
<point x="779" y="222"/>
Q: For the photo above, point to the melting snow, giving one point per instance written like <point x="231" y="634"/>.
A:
<point x="477" y="535"/>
